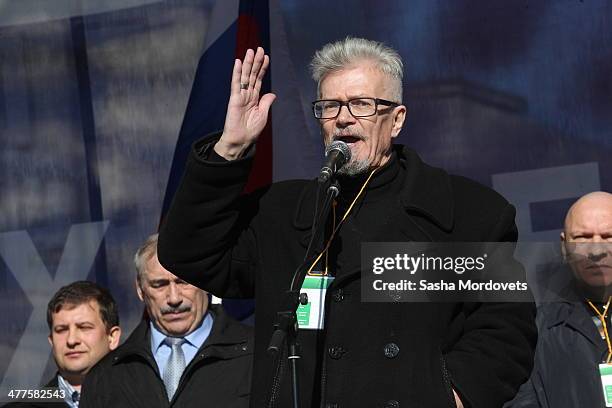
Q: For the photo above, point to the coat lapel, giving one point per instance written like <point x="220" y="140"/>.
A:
<point x="582" y="322"/>
<point x="304" y="213"/>
<point x="426" y="196"/>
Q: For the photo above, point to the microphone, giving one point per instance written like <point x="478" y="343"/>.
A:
<point x="337" y="154"/>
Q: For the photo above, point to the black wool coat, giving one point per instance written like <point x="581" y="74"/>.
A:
<point x="218" y="376"/>
<point x="370" y="354"/>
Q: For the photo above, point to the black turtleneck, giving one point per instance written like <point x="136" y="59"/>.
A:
<point x="369" y="217"/>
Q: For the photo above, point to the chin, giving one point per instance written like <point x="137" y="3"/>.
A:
<point x="598" y="282"/>
<point x="355" y="168"/>
<point x="78" y="370"/>
<point x="178" y="331"/>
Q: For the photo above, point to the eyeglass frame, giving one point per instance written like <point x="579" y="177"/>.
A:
<point x="377" y="101"/>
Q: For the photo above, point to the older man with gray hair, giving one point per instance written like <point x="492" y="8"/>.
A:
<point x="361" y="354"/>
<point x="184" y="353"/>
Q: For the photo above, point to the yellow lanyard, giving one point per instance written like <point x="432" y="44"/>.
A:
<point x="337" y="227"/>
<point x="602" y="318"/>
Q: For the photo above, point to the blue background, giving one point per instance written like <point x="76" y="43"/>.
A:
<point x="515" y="94"/>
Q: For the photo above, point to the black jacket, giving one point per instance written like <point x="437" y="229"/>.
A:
<point x="234" y="245"/>
<point x="565" y="373"/>
<point x="218" y="376"/>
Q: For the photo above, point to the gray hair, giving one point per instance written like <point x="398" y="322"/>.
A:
<point x="144" y="253"/>
<point x="344" y="53"/>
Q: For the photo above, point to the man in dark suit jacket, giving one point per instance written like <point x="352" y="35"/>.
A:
<point x="84" y="326"/>
<point x="366" y="354"/>
<point x="184" y="353"/>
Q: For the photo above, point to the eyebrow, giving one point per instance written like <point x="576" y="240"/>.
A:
<point x="352" y="96"/>
<point x="165" y="280"/>
<point x="581" y="232"/>
<point x="78" y="324"/>
<point x="161" y="280"/>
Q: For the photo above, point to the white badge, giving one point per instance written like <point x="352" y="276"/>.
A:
<point x="605" y="372"/>
<point x="311" y="315"/>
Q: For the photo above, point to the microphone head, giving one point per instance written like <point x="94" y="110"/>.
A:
<point x="341" y="147"/>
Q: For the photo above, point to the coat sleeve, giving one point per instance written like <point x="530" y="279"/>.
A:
<point x="494" y="355"/>
<point x="206" y="237"/>
<point x="532" y="393"/>
<point x="526" y="397"/>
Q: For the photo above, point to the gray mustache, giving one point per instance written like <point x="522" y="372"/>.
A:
<point x="177" y="309"/>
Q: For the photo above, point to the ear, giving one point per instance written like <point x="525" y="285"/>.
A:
<point x="139" y="290"/>
<point x="50" y="340"/>
<point x="113" y="337"/>
<point x="563" y="249"/>
<point x="399" y="115"/>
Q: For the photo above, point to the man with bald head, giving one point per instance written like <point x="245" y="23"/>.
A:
<point x="586" y="244"/>
<point x="574" y="332"/>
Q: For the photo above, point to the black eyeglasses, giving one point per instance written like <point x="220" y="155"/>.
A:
<point x="358" y="107"/>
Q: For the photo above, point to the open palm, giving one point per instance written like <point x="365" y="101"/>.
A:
<point x="247" y="113"/>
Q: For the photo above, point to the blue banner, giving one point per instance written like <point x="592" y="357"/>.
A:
<point x="99" y="105"/>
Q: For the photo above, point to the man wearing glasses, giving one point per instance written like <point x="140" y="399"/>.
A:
<point x="363" y="354"/>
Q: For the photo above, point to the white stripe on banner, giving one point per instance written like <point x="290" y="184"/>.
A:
<point x="224" y="14"/>
<point x="35" y="11"/>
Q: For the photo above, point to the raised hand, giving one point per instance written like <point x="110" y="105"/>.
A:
<point x="247" y="113"/>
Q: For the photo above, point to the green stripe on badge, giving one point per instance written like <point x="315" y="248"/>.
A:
<point x="317" y="282"/>
<point x="605" y="370"/>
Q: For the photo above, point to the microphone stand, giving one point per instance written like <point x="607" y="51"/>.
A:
<point x="286" y="327"/>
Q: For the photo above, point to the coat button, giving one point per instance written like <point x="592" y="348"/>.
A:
<point x="338" y="295"/>
<point x="391" y="350"/>
<point x="336" y="352"/>
<point x="391" y="404"/>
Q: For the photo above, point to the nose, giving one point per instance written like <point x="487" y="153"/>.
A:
<point x="597" y="249"/>
<point x="598" y="245"/>
<point x="345" y="118"/>
<point x="73" y="337"/>
<point x="174" y="295"/>
<point x="596" y="257"/>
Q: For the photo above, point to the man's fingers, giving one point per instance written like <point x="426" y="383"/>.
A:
<point x="247" y="64"/>
<point x="261" y="73"/>
<point x="265" y="102"/>
<point x="235" y="87"/>
<point x="257" y="63"/>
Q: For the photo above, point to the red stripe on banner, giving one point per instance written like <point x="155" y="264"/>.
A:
<point x="249" y="36"/>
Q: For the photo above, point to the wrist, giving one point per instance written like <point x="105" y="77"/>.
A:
<point x="230" y="151"/>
